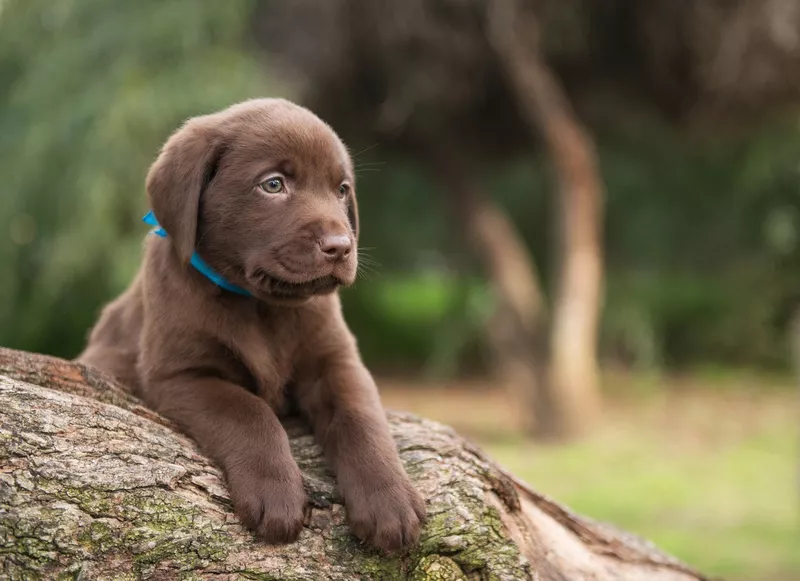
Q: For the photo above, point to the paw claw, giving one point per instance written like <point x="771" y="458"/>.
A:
<point x="389" y="519"/>
<point x="272" y="508"/>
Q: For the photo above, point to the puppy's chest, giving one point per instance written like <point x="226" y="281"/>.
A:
<point x="270" y="349"/>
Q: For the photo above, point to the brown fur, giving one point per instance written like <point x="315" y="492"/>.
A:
<point x="221" y="365"/>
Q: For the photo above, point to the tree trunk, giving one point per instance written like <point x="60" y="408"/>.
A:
<point x="574" y="374"/>
<point x="794" y="349"/>
<point x="517" y="331"/>
<point x="95" y="486"/>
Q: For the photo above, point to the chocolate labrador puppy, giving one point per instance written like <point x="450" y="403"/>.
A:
<point x="235" y="311"/>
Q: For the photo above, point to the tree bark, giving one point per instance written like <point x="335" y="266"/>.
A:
<point x="95" y="486"/>
<point x="574" y="373"/>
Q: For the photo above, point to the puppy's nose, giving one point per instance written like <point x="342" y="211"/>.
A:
<point x="335" y="247"/>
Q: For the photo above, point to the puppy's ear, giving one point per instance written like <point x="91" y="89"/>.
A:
<point x="184" y="168"/>
<point x="352" y="213"/>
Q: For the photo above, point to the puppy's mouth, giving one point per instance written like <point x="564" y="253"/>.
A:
<point x="283" y="289"/>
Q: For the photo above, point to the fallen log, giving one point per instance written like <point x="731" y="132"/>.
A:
<point x="93" y="485"/>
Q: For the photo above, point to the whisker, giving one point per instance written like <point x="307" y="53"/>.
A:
<point x="367" y="268"/>
<point x="367" y="259"/>
<point x="365" y="273"/>
<point x="364" y="253"/>
<point x="355" y="155"/>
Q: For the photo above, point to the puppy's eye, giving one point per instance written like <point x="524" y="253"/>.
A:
<point x="343" y="189"/>
<point x="273" y="185"/>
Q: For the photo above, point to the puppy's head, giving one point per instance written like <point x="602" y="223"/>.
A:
<point x="264" y="191"/>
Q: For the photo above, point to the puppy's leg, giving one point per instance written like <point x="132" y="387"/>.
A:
<point x="243" y="435"/>
<point x="341" y="401"/>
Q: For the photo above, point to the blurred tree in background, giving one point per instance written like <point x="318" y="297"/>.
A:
<point x="701" y="211"/>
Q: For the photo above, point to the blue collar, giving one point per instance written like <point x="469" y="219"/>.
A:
<point x="200" y="264"/>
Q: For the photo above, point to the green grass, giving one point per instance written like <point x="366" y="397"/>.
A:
<point x="708" y="475"/>
<point x="729" y="511"/>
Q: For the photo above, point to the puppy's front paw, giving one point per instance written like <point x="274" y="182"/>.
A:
<point x="271" y="505"/>
<point x="389" y="518"/>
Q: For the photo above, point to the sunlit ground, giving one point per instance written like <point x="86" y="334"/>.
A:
<point x="706" y="468"/>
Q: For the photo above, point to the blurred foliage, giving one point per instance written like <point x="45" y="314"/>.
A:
<point x="702" y="245"/>
<point x="88" y="92"/>
<point x="702" y="237"/>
